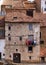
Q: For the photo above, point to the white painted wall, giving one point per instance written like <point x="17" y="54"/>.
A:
<point x="2" y="45"/>
<point x="43" y="5"/>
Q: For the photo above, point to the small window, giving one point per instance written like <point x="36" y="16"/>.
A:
<point x="45" y="9"/>
<point x="10" y="56"/>
<point x="29" y="57"/>
<point x="3" y="54"/>
<point x="30" y="27"/>
<point x="9" y="38"/>
<point x="14" y="17"/>
<point x="8" y="34"/>
<point x="20" y="38"/>
<point x="30" y="37"/>
<point x="29" y="12"/>
<point x="30" y="48"/>
<point x="2" y="32"/>
<point x="41" y="42"/>
<point x="14" y="42"/>
<point x="9" y="27"/>
<point x="40" y="35"/>
<point x="16" y="49"/>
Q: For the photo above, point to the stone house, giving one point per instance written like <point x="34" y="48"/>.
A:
<point x="22" y="32"/>
<point x="20" y="19"/>
<point x="22" y="36"/>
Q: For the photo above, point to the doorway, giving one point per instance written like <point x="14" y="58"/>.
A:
<point x="17" y="57"/>
<point x="43" y="59"/>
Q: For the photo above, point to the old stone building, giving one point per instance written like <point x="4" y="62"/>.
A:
<point x="22" y="31"/>
<point x="25" y="30"/>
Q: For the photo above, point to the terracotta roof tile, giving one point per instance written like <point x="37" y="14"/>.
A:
<point x="43" y="52"/>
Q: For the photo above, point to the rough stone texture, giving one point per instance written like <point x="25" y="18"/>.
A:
<point x="19" y="29"/>
<point x="38" y="3"/>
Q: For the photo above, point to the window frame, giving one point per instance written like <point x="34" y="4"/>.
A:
<point x="29" y="12"/>
<point x="30" y="50"/>
<point x="30" y="26"/>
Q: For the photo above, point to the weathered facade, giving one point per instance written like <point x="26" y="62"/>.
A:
<point x="22" y="28"/>
<point x="22" y="34"/>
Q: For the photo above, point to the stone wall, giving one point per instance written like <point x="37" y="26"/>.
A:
<point x="38" y="3"/>
<point x="21" y="29"/>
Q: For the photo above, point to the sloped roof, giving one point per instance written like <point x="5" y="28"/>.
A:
<point x="43" y="52"/>
<point x="41" y="17"/>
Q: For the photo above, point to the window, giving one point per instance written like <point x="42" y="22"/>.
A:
<point x="3" y="13"/>
<point x="2" y="33"/>
<point x="29" y="12"/>
<point x="41" y="42"/>
<point x="10" y="56"/>
<point x="30" y="27"/>
<point x="14" y="42"/>
<point x="30" y="37"/>
<point x="3" y="54"/>
<point x="8" y="34"/>
<point x="29" y="57"/>
<point x="40" y="35"/>
<point x="20" y="38"/>
<point x="16" y="49"/>
<point x="30" y="48"/>
<point x="14" y="17"/>
<point x="9" y="38"/>
<point x="9" y="27"/>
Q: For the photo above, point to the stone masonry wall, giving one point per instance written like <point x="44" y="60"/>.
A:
<point x="19" y="29"/>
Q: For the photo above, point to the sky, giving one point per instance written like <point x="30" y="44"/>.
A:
<point x="1" y="1"/>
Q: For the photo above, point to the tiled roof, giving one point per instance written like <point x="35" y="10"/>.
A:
<point x="42" y="18"/>
<point x="43" y="51"/>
